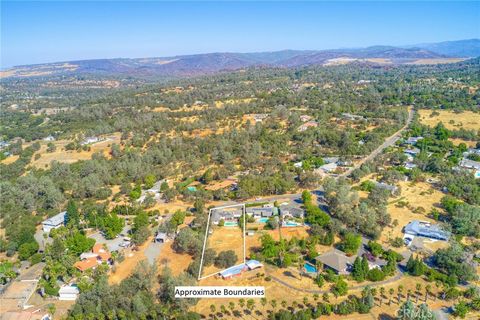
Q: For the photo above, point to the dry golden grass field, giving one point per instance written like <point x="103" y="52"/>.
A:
<point x="61" y="155"/>
<point x="279" y="292"/>
<point x="468" y="120"/>
<point x="224" y="239"/>
<point x="437" y="61"/>
<point x="457" y="141"/>
<point x="416" y="196"/>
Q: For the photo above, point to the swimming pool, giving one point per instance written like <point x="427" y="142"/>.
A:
<point x="310" y="268"/>
<point x="262" y="220"/>
<point x="291" y="224"/>
<point x="230" y="224"/>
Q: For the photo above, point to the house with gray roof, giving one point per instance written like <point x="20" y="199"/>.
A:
<point x="393" y="189"/>
<point x="426" y="229"/>
<point x="291" y="211"/>
<point x="54" y="222"/>
<point x="470" y="164"/>
<point x="225" y="215"/>
<point x="264" y="212"/>
<point x="337" y="261"/>
<point x="413" y="140"/>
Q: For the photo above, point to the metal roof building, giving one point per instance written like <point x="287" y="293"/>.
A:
<point x="426" y="229"/>
<point x="54" y="222"/>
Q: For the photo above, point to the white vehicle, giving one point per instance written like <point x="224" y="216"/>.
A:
<point x="125" y="244"/>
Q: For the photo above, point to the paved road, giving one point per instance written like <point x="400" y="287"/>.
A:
<point x="389" y="142"/>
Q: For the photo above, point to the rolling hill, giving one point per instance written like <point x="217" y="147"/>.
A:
<point x="208" y="63"/>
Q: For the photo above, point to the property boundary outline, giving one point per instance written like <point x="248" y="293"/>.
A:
<point x="244" y="214"/>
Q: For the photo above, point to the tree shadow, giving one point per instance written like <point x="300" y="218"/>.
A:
<point x="289" y="274"/>
<point x="384" y="316"/>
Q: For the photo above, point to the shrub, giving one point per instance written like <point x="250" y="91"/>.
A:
<point x="375" y="274"/>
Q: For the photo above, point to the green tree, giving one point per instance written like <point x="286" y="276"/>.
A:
<point x="350" y="244"/>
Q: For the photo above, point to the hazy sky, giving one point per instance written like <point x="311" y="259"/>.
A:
<point x="35" y="32"/>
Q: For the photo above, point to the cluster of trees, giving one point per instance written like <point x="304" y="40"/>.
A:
<point x="369" y="216"/>
<point x="134" y="298"/>
<point x="314" y="215"/>
<point x="464" y="218"/>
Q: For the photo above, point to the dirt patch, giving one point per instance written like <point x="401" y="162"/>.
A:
<point x="175" y="261"/>
<point x="468" y="120"/>
<point x="125" y="268"/>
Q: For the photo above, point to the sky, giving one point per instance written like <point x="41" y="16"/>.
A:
<point x="40" y="31"/>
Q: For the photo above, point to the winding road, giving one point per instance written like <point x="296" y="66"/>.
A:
<point x="390" y="141"/>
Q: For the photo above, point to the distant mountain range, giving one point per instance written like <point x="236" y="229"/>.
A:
<point x="198" y="64"/>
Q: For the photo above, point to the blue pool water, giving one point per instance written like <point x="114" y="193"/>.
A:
<point x="263" y="220"/>
<point x="291" y="224"/>
<point x="309" y="268"/>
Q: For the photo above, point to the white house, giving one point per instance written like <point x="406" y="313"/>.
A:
<point x="68" y="293"/>
<point x="54" y="222"/>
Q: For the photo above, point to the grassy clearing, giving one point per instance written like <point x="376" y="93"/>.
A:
<point x="468" y="120"/>
<point x="64" y="156"/>
<point x="408" y="206"/>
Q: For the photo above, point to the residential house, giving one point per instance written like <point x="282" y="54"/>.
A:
<point x="291" y="211"/>
<point x="4" y="144"/>
<point x="412" y="151"/>
<point x="413" y="140"/>
<point x="326" y="168"/>
<point x="90" y="260"/>
<point x="90" y="140"/>
<point x="426" y="229"/>
<point x="471" y="151"/>
<point x="471" y="165"/>
<point x="259" y="117"/>
<point x="305" y="118"/>
<point x="68" y="293"/>
<point x="393" y="189"/>
<point x="265" y="212"/>
<point x="306" y="125"/>
<point x="331" y="159"/>
<point x="225" y="215"/>
<point x="54" y="222"/>
<point x="410" y="165"/>
<point x="337" y="261"/>
<point x="154" y="191"/>
<point x="349" y="116"/>
<point x="49" y="138"/>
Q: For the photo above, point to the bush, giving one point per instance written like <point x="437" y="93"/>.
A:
<point x="36" y="258"/>
<point x="375" y="274"/>
<point x="26" y="250"/>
